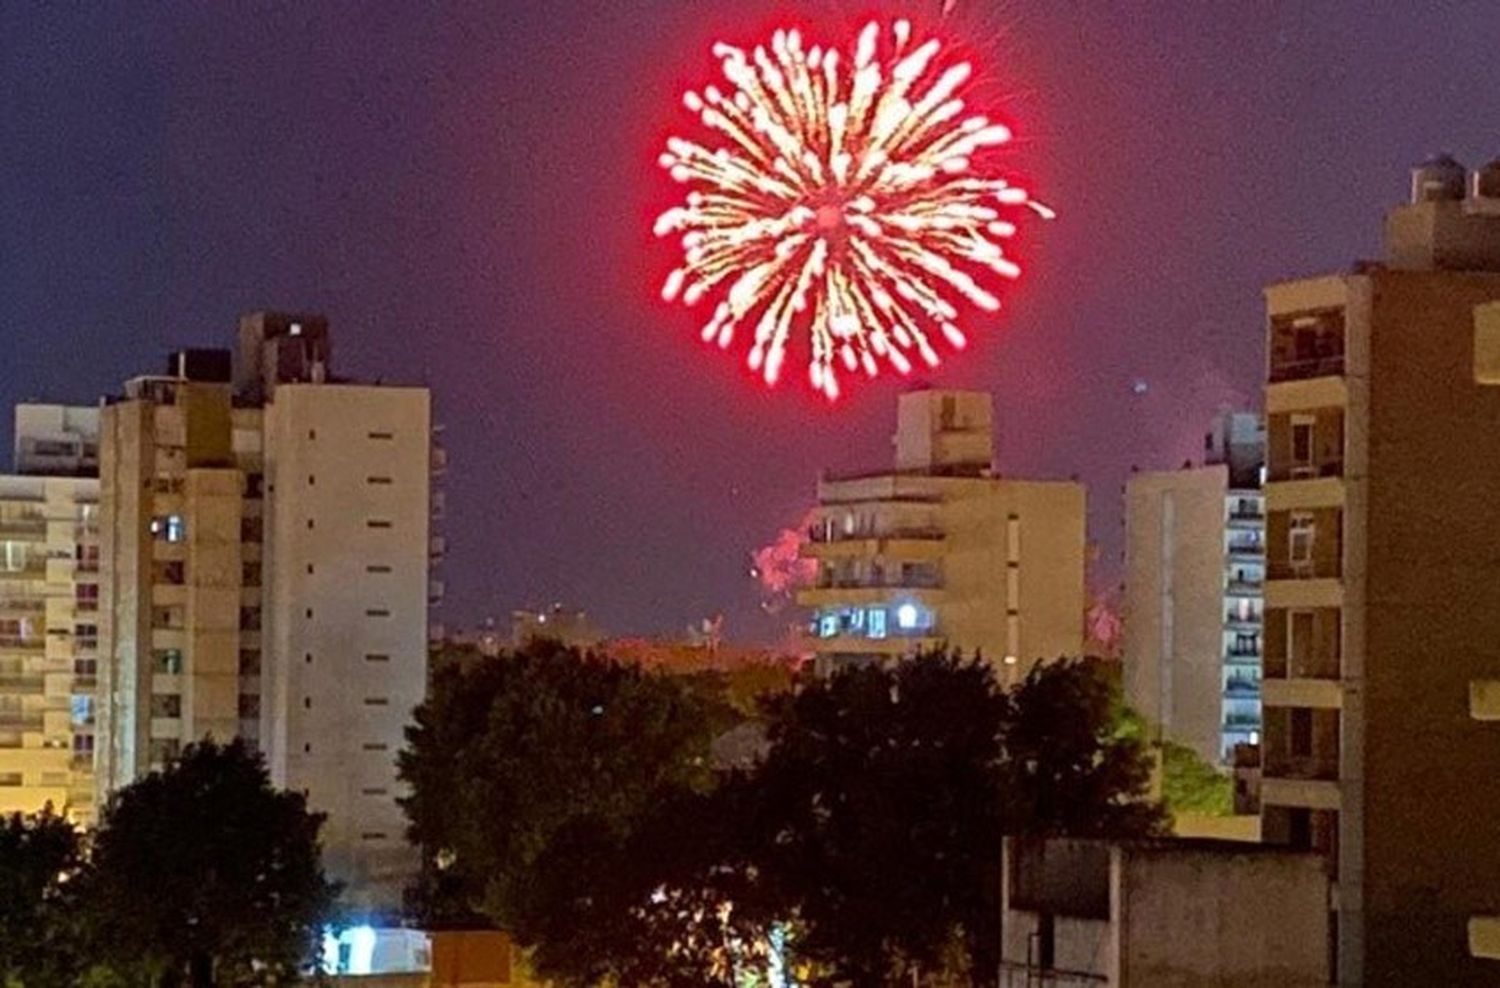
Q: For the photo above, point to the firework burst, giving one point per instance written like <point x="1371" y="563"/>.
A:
<point x="843" y="198"/>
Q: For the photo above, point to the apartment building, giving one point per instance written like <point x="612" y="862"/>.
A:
<point x="49" y="596"/>
<point x="940" y="550"/>
<point x="1382" y="603"/>
<point x="265" y="531"/>
<point x="1194" y="570"/>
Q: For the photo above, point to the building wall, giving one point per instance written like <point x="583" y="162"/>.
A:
<point x="48" y="643"/>
<point x="346" y="558"/>
<point x="1194" y="919"/>
<point x="1432" y="618"/>
<point x="1174" y="602"/>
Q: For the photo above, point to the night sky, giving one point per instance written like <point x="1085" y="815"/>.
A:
<point x="466" y="190"/>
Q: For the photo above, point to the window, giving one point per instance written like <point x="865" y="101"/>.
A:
<point x="168" y="528"/>
<point x="12" y="556"/>
<point x="828" y="625"/>
<point x="307" y="658"/>
<point x="309" y="524"/>
<point x="10" y="778"/>
<point x="377" y="657"/>
<point x="249" y="705"/>
<point x="83" y="744"/>
<point x="372" y="835"/>
<point x="1302" y="439"/>
<point x="383" y="435"/>
<point x="309" y="569"/>
<point x="307" y="703"/>
<point x="306" y="748"/>
<point x="254" y="485"/>
<point x="377" y="523"/>
<point x="312" y="480"/>
<point x="251" y="529"/>
<point x="167" y="661"/>
<point x="376" y="746"/>
<point x="876" y="622"/>
<point x="250" y="574"/>
<point x="1300" y="730"/>
<point x="249" y="662"/>
<point x="164" y="750"/>
<point x="377" y="701"/>
<point x="372" y="791"/>
<point x="85" y="667"/>
<point x="377" y="612"/>
<point x="86" y="597"/>
<point x="81" y="710"/>
<point x="86" y="635"/>
<point x="378" y="481"/>
<point x="377" y="569"/>
<point x="249" y="618"/>
<point x="1301" y="533"/>
<point x="166" y="705"/>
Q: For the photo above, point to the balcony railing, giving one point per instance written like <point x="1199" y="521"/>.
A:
<point x="1242" y="687"/>
<point x="823" y="535"/>
<point x="1331" y="365"/>
<point x="1245" y="586"/>
<point x="27" y="604"/>
<point x="23" y="682"/>
<point x="1309" y="767"/>
<point x="1236" y="618"/>
<point x="16" y="643"/>
<point x="25" y="525"/>
<point x="891" y="581"/>
<point x="1304" y="569"/>
<point x="1282" y="472"/>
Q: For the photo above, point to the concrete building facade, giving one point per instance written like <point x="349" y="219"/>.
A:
<point x="1194" y="570"/>
<point x="266" y="550"/>
<point x="942" y="551"/>
<point x="1382" y="607"/>
<point x="1161" y="914"/>
<point x="49" y="598"/>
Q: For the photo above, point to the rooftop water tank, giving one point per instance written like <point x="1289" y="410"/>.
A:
<point x="1487" y="181"/>
<point x="1437" y="179"/>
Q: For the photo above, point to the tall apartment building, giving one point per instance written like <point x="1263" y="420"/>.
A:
<point x="1383" y="603"/>
<point x="942" y="551"/>
<point x="49" y="593"/>
<point x="1194" y="569"/>
<point x="265" y="531"/>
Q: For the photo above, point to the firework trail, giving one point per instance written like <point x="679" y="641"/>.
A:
<point x="847" y="199"/>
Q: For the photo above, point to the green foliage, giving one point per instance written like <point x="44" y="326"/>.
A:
<point x="205" y="875"/>
<point x="40" y="941"/>
<point x="567" y="799"/>
<point x="1191" y="785"/>
<point x="542" y="760"/>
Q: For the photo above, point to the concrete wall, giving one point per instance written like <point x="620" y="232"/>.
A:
<point x="347" y="470"/>
<point x="1174" y="602"/>
<point x="1432" y="619"/>
<point x="1213" y="918"/>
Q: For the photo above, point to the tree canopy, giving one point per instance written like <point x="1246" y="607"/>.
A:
<point x="203" y="874"/>
<point x="569" y="800"/>
<point x="40" y="942"/>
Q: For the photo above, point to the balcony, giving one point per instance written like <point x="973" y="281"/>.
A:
<point x="1329" y="365"/>
<point x="1242" y="688"/>
<point x="1281" y="473"/>
<point x="1326" y="568"/>
<point x="22" y="605"/>
<point x="1237" y="621"/>
<point x="17" y="643"/>
<point x="28" y="683"/>
<point x="23" y="527"/>
<point x="1309" y="768"/>
<point x="1244" y="588"/>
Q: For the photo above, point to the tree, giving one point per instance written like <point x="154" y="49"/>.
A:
<point x="530" y="774"/>
<point x="40" y="859"/>
<point x="887" y="790"/>
<point x="879" y="812"/>
<point x="203" y="874"/>
<point x="1073" y="767"/>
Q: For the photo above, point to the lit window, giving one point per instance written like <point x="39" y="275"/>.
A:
<point x="170" y="528"/>
<point x="1301" y="535"/>
<point x="828" y="625"/>
<point x="295" y="329"/>
<point x="907" y="616"/>
<point x="876" y="622"/>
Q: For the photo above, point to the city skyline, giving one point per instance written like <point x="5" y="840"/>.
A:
<point x="443" y="192"/>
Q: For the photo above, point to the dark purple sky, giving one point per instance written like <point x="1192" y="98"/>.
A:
<point x="466" y="189"/>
